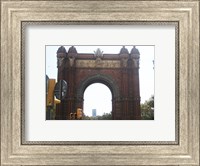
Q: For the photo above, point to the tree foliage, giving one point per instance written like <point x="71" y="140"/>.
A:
<point x="105" y="116"/>
<point x="147" y="109"/>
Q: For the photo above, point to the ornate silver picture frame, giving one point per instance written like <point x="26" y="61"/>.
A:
<point x="15" y="150"/>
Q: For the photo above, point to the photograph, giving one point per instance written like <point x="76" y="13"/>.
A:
<point x="100" y="82"/>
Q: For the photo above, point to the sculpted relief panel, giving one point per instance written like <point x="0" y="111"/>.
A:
<point x="98" y="63"/>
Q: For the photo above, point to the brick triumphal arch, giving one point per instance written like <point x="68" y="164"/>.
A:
<point x="119" y="72"/>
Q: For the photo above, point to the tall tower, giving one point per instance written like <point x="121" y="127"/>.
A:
<point x="94" y="112"/>
<point x="61" y="60"/>
<point x="130" y="92"/>
<point x="134" y="83"/>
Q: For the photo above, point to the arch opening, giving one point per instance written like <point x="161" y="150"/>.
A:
<point x="97" y="102"/>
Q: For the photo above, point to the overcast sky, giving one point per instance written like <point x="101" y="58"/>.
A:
<point x="102" y="102"/>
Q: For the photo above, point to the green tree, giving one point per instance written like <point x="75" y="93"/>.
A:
<point x="147" y="109"/>
<point x="105" y="116"/>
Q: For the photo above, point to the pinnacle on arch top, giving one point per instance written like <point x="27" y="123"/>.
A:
<point x="124" y="50"/>
<point x="72" y="49"/>
<point x="135" y="52"/>
<point x="61" y="49"/>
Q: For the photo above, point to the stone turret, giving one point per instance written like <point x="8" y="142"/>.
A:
<point x="61" y="49"/>
<point x="135" y="56"/>
<point x="124" y="55"/>
<point x="72" y="54"/>
<point x="124" y="52"/>
<point x="135" y="53"/>
<point x="61" y="55"/>
<point x="72" y="51"/>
